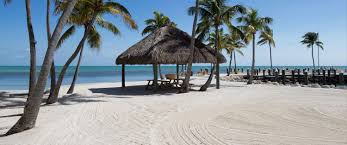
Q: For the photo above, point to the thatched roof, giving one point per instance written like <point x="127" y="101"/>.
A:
<point x="167" y="45"/>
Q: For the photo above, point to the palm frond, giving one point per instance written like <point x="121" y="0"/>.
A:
<point x="66" y="35"/>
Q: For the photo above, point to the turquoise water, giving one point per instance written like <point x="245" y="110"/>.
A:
<point x="16" y="77"/>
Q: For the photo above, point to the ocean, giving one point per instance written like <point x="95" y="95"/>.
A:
<point x="17" y="77"/>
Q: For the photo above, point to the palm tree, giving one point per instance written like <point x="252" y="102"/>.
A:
<point x="311" y="39"/>
<point x="185" y="86"/>
<point x="32" y="107"/>
<point x="232" y="44"/>
<point x="32" y="45"/>
<point x="266" y="37"/>
<point x="319" y="45"/>
<point x="88" y="14"/>
<point x="213" y="15"/>
<point x="251" y="24"/>
<point x="159" y="20"/>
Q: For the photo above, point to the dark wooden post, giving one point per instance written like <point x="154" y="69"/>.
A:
<point x="283" y="76"/>
<point x="341" y="79"/>
<point x="242" y="70"/>
<point x="293" y="76"/>
<point x="324" y="77"/>
<point x="177" y="71"/>
<point x="305" y="78"/>
<point x="329" y="75"/>
<point x="276" y="76"/>
<point x="264" y="75"/>
<point x="248" y="73"/>
<point x="313" y="76"/>
<point x="123" y="75"/>
<point x="155" y="76"/>
<point x="299" y="76"/>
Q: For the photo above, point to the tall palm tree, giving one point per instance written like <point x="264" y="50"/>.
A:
<point x="214" y="14"/>
<point x="319" y="45"/>
<point x="251" y="24"/>
<point x="89" y="14"/>
<point x="159" y="20"/>
<point x="232" y="44"/>
<point x="32" y="107"/>
<point x="32" y="45"/>
<point x="266" y="37"/>
<point x="310" y="39"/>
<point x="185" y="86"/>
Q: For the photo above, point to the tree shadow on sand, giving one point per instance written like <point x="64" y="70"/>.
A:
<point x="138" y="90"/>
<point x="76" y="98"/>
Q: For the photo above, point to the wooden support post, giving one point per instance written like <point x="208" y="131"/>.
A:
<point x="329" y="75"/>
<point x="264" y="75"/>
<point x="242" y="70"/>
<point x="177" y="71"/>
<point x="155" y="76"/>
<point x="305" y="78"/>
<point x="248" y="73"/>
<point x="283" y="77"/>
<point x="276" y="76"/>
<point x="313" y="76"/>
<point x="123" y="75"/>
<point x="293" y="76"/>
<point x="299" y="76"/>
<point x="341" y="79"/>
<point x="324" y="78"/>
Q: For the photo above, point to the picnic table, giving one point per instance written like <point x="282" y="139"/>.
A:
<point x="165" y="83"/>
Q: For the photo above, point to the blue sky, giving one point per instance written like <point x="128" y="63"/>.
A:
<point x="292" y="19"/>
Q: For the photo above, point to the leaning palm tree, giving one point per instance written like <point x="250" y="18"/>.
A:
<point x="251" y="24"/>
<point x="32" y="106"/>
<point x="215" y="14"/>
<point x="32" y="45"/>
<point x="185" y="86"/>
<point x="311" y="39"/>
<point x="232" y="44"/>
<point x="266" y="37"/>
<point x="89" y="14"/>
<point x="159" y="20"/>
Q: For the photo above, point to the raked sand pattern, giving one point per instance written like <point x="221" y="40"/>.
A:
<point x="236" y="114"/>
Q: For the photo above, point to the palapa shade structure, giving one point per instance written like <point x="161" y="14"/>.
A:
<point x="166" y="45"/>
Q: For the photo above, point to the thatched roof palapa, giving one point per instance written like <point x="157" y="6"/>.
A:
<point x="167" y="45"/>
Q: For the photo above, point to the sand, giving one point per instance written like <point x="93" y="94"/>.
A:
<point x="236" y="114"/>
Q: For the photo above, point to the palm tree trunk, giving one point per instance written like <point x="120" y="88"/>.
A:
<point x="318" y="58"/>
<point x="270" y="56"/>
<point x="235" y="62"/>
<point x="231" y="59"/>
<point x="185" y="86"/>
<point x="32" y="43"/>
<point x="54" y="97"/>
<point x="216" y="53"/>
<point x="72" y="86"/>
<point x="48" y="27"/>
<point x="32" y="107"/>
<point x="314" y="66"/>
<point x="250" y="80"/>
<point x="209" y="80"/>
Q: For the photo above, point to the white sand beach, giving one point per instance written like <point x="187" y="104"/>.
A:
<point x="236" y="114"/>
